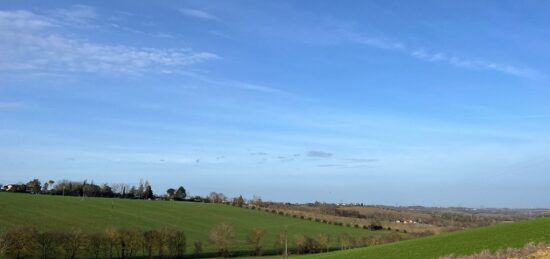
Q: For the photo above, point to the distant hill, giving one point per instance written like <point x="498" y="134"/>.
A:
<point x="458" y="243"/>
<point x="47" y="212"/>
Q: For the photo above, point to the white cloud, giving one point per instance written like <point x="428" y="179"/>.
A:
<point x="198" y="14"/>
<point x="237" y="85"/>
<point x="477" y="64"/>
<point x="376" y="42"/>
<point x="32" y="42"/>
<point x="439" y="57"/>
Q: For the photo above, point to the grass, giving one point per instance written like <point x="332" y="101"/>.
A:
<point x="458" y="243"/>
<point x="47" y="212"/>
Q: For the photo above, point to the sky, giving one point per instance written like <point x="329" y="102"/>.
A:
<point x="434" y="103"/>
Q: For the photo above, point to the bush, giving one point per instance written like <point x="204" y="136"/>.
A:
<point x="73" y="243"/>
<point x="19" y="242"/>
<point x="223" y="237"/>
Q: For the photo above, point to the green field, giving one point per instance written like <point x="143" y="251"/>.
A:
<point x="97" y="214"/>
<point x="458" y="243"/>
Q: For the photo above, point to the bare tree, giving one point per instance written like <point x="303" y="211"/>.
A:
<point x="49" y="243"/>
<point x="176" y="242"/>
<point x="324" y="241"/>
<point x="149" y="238"/>
<point x="19" y="242"/>
<point x="223" y="237"/>
<point x="301" y="242"/>
<point x="255" y="238"/>
<point x="73" y="243"/>
<point x="216" y="197"/>
<point x="197" y="247"/>
<point x="129" y="242"/>
<point x="238" y="201"/>
<point x="346" y="241"/>
<point x="280" y="243"/>
<point x="257" y="201"/>
<point x="97" y="245"/>
<point x="161" y="242"/>
<point x="111" y="241"/>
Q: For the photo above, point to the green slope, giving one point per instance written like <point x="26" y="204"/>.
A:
<point x="458" y="243"/>
<point x="196" y="219"/>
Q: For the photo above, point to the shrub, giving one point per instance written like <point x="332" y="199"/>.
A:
<point x="176" y="242"/>
<point x="73" y="243"/>
<point x="255" y="238"/>
<point x="223" y="237"/>
<point x="19" y="242"/>
<point x="197" y="247"/>
<point x="49" y="244"/>
<point x="97" y="245"/>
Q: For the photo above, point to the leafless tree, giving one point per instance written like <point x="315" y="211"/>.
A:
<point x="73" y="243"/>
<point x="49" y="243"/>
<point x="19" y="242"/>
<point x="324" y="241"/>
<point x="197" y="247"/>
<point x="223" y="237"/>
<point x="255" y="239"/>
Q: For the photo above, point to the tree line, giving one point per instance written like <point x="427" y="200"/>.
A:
<point x="27" y="242"/>
<point x="83" y="188"/>
<point x="143" y="190"/>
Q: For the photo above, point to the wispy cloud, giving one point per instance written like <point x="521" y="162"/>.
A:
<point x="198" y="14"/>
<point x="132" y="30"/>
<point x="10" y="105"/>
<point x="360" y="160"/>
<point x="237" y="84"/>
<point x="330" y="165"/>
<point x="259" y="154"/>
<point x="476" y="64"/>
<point x="320" y="154"/>
<point x="259" y="88"/>
<point x="375" y="42"/>
<point x="31" y="42"/>
<point x="78" y="16"/>
<point x="440" y="57"/>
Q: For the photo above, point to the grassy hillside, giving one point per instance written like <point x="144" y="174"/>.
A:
<point x="96" y="214"/>
<point x="458" y="243"/>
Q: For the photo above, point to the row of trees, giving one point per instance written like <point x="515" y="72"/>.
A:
<point x="23" y="242"/>
<point x="84" y="188"/>
<point x="141" y="191"/>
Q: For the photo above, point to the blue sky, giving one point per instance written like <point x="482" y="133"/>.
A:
<point x="437" y="103"/>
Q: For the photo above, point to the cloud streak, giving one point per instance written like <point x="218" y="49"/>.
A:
<point x="319" y="154"/>
<point x="442" y="57"/>
<point x="10" y="105"/>
<point x="475" y="64"/>
<point x="32" y="42"/>
<point x="195" y="13"/>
